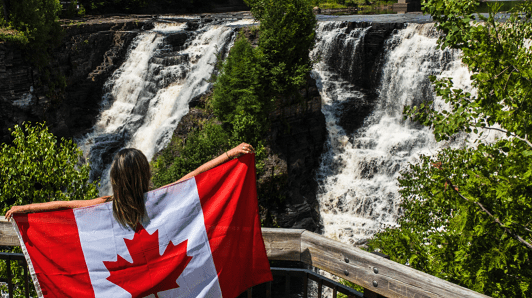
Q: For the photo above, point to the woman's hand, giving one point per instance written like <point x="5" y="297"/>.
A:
<point x="16" y="209"/>
<point x="243" y="148"/>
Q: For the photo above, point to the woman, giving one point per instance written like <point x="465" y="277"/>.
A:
<point x="130" y="179"/>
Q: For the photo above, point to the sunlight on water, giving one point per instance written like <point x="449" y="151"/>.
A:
<point x="358" y="192"/>
<point x="149" y="94"/>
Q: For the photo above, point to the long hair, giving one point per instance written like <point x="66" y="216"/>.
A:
<point x="130" y="179"/>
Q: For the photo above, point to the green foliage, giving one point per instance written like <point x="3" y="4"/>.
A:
<point x="354" y="286"/>
<point x="239" y="97"/>
<point x="183" y="157"/>
<point x="36" y="24"/>
<point x="287" y="31"/>
<point x="11" y="35"/>
<point x="37" y="168"/>
<point x="450" y="237"/>
<point x="467" y="211"/>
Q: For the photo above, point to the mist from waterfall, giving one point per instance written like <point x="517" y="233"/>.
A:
<point x="149" y="94"/>
<point x="358" y="190"/>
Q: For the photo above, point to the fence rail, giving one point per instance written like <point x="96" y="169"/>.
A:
<point x="375" y="273"/>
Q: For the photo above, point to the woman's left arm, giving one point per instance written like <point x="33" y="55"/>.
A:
<point x="243" y="148"/>
<point x="54" y="205"/>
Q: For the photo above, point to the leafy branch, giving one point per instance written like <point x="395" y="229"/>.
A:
<point x="495" y="219"/>
<point x="509" y="133"/>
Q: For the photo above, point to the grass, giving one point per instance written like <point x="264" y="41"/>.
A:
<point x="10" y="34"/>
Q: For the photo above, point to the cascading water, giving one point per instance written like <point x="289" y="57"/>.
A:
<point x="149" y="94"/>
<point x="358" y="191"/>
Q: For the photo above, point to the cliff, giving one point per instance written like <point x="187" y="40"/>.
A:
<point x="89" y="53"/>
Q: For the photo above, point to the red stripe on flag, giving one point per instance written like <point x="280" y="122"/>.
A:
<point x="52" y="241"/>
<point x="228" y="198"/>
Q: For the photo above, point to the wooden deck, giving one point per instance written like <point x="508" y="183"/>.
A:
<point x="377" y="274"/>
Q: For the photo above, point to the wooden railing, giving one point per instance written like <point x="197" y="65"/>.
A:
<point x="376" y="274"/>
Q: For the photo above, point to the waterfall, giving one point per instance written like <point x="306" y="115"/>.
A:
<point x="358" y="190"/>
<point x="147" y="96"/>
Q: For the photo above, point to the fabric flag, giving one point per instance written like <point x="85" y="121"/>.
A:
<point x="200" y="238"/>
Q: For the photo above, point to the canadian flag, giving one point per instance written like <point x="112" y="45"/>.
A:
<point x="200" y="238"/>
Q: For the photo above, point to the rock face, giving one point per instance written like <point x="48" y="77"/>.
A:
<point x="297" y="139"/>
<point x="88" y="54"/>
<point x="17" y="102"/>
<point x="361" y="68"/>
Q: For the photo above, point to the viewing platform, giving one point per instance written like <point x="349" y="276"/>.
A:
<point x="378" y="276"/>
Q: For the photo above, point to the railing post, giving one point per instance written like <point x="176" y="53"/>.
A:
<point x="9" y="278"/>
<point x="26" y="277"/>
<point x="320" y="287"/>
<point x="305" y="286"/>
<point x="269" y="289"/>
<point x="23" y="264"/>
<point x="287" y="284"/>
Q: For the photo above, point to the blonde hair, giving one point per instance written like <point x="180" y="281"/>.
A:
<point x="130" y="179"/>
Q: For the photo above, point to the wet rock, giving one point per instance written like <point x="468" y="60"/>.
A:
<point x="192" y="26"/>
<point x="177" y="40"/>
<point x="355" y="110"/>
<point x="297" y="137"/>
<point x="103" y="151"/>
<point x="359" y="66"/>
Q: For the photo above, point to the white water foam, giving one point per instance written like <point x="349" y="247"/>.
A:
<point x="358" y="192"/>
<point x="147" y="97"/>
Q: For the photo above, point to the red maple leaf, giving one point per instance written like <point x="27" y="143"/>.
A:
<point x="150" y="272"/>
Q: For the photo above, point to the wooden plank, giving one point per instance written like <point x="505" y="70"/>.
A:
<point x="380" y="275"/>
<point x="8" y="236"/>
<point x="282" y="244"/>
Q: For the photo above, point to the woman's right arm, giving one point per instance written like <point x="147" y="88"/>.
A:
<point x="55" y="205"/>
<point x="243" y="148"/>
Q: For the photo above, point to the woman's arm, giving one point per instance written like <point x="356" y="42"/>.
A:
<point x="243" y="148"/>
<point x="49" y="206"/>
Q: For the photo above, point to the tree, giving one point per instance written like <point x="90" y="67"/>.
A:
<point x="466" y="212"/>
<point x="287" y="31"/>
<point x="239" y="94"/>
<point x="37" y="168"/>
<point x="182" y="157"/>
<point x="36" y="22"/>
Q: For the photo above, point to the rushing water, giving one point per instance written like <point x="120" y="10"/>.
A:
<point x="149" y="94"/>
<point x="358" y="192"/>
